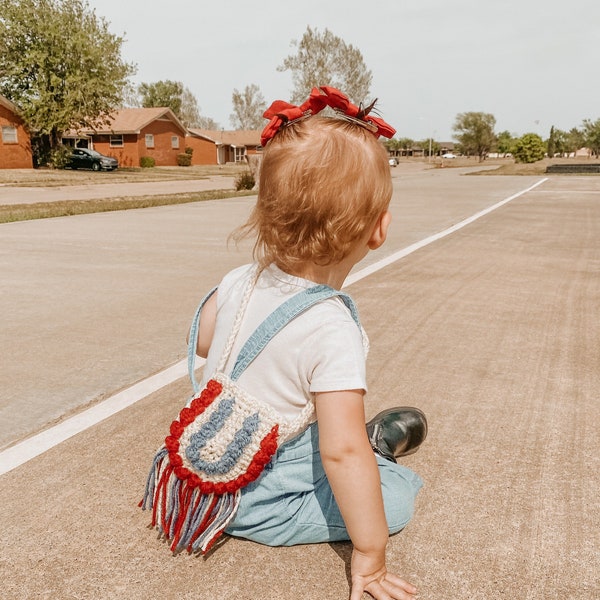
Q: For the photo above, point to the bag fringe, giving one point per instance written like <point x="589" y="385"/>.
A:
<point x="187" y="517"/>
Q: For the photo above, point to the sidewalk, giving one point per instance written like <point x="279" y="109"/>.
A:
<point x="29" y="195"/>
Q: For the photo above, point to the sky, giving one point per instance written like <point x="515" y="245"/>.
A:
<point x="532" y="64"/>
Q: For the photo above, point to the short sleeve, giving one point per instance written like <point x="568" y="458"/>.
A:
<point x="337" y="361"/>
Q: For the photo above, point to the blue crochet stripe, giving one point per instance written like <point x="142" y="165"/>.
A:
<point x="241" y="439"/>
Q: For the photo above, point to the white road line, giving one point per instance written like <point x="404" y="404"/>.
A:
<point x="38" y="444"/>
<point x="20" y="453"/>
<point x="388" y="260"/>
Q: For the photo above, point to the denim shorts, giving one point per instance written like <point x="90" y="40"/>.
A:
<point x="292" y="502"/>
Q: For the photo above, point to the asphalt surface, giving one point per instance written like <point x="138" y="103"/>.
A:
<point x="493" y="331"/>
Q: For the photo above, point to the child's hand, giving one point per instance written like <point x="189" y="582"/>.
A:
<point x="369" y="574"/>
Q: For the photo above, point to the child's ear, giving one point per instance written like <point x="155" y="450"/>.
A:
<point x="379" y="234"/>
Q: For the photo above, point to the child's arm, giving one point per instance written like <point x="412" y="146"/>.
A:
<point x="353" y="474"/>
<point x="206" y="328"/>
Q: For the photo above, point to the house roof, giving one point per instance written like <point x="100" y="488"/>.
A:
<point x="8" y="104"/>
<point x="244" y="137"/>
<point x="200" y="134"/>
<point x="133" y="120"/>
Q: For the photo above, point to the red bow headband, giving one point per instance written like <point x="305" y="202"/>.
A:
<point x="281" y="113"/>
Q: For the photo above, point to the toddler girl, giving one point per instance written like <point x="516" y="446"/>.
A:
<point x="323" y="199"/>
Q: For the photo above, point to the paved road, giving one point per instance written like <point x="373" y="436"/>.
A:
<point x="96" y="302"/>
<point x="492" y="330"/>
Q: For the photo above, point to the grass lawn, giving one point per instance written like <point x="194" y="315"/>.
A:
<point x="43" y="210"/>
<point x="44" y="177"/>
<point x="507" y="166"/>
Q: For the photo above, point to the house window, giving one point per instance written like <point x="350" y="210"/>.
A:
<point x="9" y="134"/>
<point x="174" y="141"/>
<point x="239" y="153"/>
<point x="149" y="140"/>
<point x="116" y="141"/>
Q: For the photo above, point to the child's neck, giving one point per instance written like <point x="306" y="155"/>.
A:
<point x="318" y="274"/>
<point x="331" y="275"/>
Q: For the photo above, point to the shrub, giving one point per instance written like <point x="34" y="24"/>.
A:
<point x="189" y="151"/>
<point x="40" y="148"/>
<point x="184" y="159"/>
<point x="529" y="148"/>
<point x="147" y="162"/>
<point x="245" y="181"/>
<point x="59" y="157"/>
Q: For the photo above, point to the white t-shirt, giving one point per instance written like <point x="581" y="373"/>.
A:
<point x="321" y="350"/>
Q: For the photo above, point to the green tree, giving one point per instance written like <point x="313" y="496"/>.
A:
<point x="560" y="142"/>
<point x="505" y="142"/>
<point x="574" y="140"/>
<point x="162" y="93"/>
<point x="406" y="144"/>
<point x="399" y="144"/>
<point x="391" y="144"/>
<point x="529" y="148"/>
<point x="248" y="108"/>
<point x="474" y="132"/>
<point x="430" y="143"/>
<point x="325" y="59"/>
<point x="60" y="65"/>
<point x="591" y="134"/>
<point x="175" y="96"/>
<point x="551" y="143"/>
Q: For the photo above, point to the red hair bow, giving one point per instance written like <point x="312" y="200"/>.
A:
<point x="281" y="113"/>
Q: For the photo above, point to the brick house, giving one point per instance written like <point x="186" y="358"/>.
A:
<point x="133" y="133"/>
<point x="222" y="147"/>
<point x="205" y="148"/>
<point x="15" y="143"/>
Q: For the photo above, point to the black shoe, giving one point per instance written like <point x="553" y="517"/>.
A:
<point x="397" y="431"/>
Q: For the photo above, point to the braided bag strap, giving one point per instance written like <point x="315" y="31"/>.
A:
<point x="194" y="329"/>
<point x="272" y="325"/>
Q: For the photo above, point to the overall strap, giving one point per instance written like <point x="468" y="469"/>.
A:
<point x="193" y="340"/>
<point x="280" y="317"/>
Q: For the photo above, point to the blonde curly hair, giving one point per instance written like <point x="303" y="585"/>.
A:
<point x="323" y="182"/>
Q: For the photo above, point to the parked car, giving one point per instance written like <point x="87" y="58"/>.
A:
<point x="84" y="158"/>
<point x="448" y="155"/>
<point x="393" y="162"/>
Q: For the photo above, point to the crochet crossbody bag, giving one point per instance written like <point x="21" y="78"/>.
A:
<point x="224" y="437"/>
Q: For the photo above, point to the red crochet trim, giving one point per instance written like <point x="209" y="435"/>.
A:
<point x="268" y="447"/>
